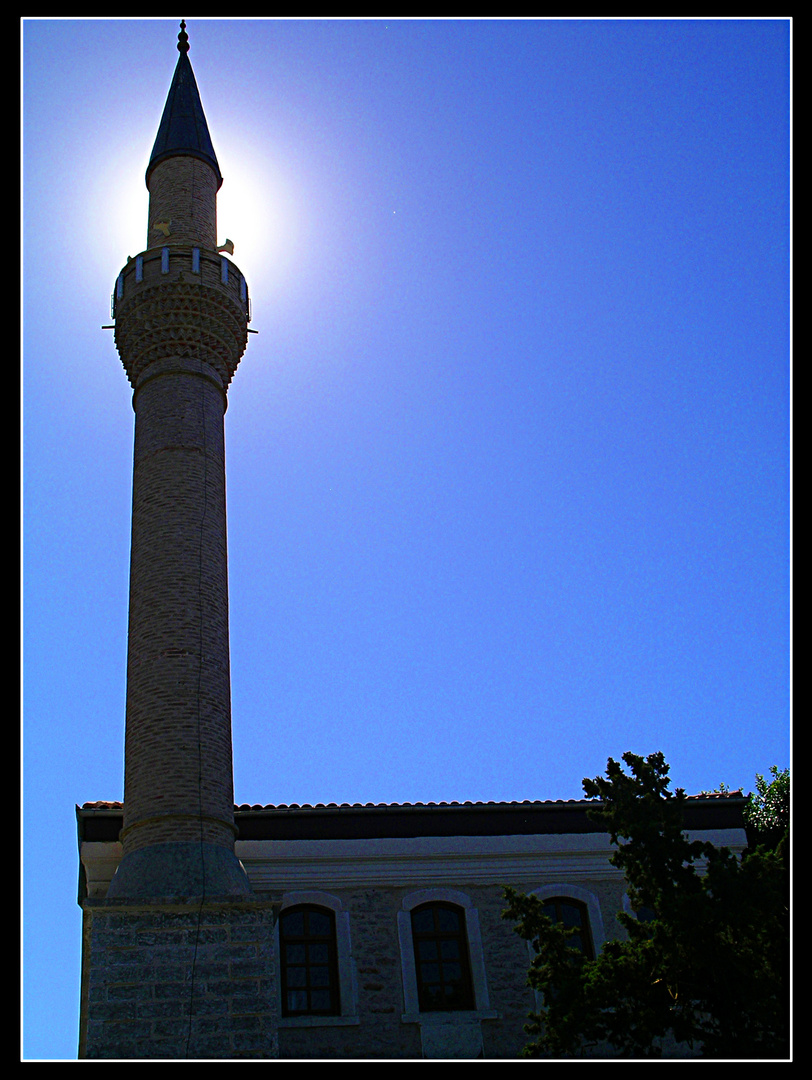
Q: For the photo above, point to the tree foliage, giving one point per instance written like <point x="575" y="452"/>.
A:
<point x="767" y="812"/>
<point x="708" y="971"/>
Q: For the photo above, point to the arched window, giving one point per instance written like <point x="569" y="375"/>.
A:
<point x="444" y="932"/>
<point x="308" y="962"/>
<point x="442" y="965"/>
<point x="572" y="914"/>
<point x="642" y="913"/>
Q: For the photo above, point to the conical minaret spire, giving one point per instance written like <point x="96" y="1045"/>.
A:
<point x="181" y="313"/>
<point x="183" y="175"/>
<point x="183" y="128"/>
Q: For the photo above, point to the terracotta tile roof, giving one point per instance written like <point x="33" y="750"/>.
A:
<point x="101" y="820"/>
<point x="248" y="807"/>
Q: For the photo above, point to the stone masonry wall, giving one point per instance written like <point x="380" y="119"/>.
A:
<point x="185" y="981"/>
<point x="381" y="1032"/>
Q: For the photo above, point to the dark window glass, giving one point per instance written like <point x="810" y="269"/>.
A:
<point x="572" y="913"/>
<point x="308" y="962"/>
<point x="441" y="958"/>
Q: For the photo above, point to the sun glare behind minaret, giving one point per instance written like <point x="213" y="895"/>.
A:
<point x="265" y="239"/>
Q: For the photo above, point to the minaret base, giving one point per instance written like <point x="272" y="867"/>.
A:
<point x="180" y="870"/>
<point x="193" y="981"/>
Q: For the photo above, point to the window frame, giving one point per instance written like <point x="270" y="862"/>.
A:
<point x="565" y="891"/>
<point x="309" y="940"/>
<point x="345" y="965"/>
<point x="584" y="928"/>
<point x="479" y="986"/>
<point x="437" y="937"/>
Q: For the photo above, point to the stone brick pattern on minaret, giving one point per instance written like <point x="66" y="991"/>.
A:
<point x="182" y="203"/>
<point x="178" y="696"/>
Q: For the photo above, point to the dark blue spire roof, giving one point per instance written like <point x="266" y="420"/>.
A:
<point x="183" y="130"/>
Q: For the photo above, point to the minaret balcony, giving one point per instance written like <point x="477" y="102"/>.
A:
<point x="181" y="301"/>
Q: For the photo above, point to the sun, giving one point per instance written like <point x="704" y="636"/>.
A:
<point x="256" y="210"/>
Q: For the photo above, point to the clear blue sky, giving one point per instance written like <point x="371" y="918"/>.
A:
<point x="508" y="461"/>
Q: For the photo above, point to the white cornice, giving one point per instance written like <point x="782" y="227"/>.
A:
<point x="282" y="865"/>
<point x="422" y="861"/>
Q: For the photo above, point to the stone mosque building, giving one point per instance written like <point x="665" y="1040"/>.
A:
<point x="219" y="931"/>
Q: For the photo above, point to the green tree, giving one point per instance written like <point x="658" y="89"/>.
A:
<point x="767" y="814"/>
<point x="709" y="969"/>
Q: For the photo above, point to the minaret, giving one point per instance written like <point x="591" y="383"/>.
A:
<point x="178" y="958"/>
<point x="181" y="314"/>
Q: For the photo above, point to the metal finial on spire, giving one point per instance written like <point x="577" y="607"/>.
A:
<point x="183" y="38"/>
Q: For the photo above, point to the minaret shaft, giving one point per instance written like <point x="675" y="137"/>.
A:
<point x="178" y="691"/>
<point x="182" y="203"/>
<point x="181" y="314"/>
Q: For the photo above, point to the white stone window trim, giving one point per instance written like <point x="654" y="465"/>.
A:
<point x="412" y="1013"/>
<point x="593" y="910"/>
<point x="347" y="981"/>
<point x="626" y="905"/>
